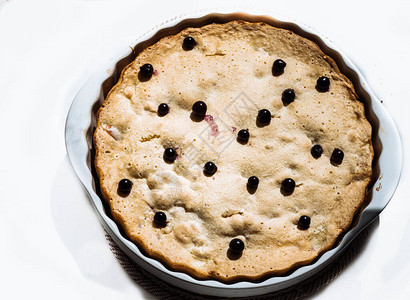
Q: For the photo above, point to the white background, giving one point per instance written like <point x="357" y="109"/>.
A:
<point x="52" y="244"/>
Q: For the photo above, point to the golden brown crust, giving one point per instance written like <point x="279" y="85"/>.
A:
<point x="230" y="70"/>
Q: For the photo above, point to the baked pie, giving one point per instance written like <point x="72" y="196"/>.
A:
<point x="233" y="151"/>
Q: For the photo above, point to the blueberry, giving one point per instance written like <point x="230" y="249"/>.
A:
<point x="189" y="43"/>
<point x="243" y="135"/>
<point x="163" y="109"/>
<point x="304" y="222"/>
<point x="278" y="66"/>
<point x="264" y="116"/>
<point x="288" y="185"/>
<point x="160" y="219"/>
<point x="323" y="84"/>
<point x="199" y="108"/>
<point x="253" y="182"/>
<point x="210" y="168"/>
<point x="288" y="96"/>
<point x="170" y="154"/>
<point x="337" y="157"/>
<point x="147" y="70"/>
<point x="236" y="246"/>
<point x="125" y="186"/>
<point x="316" y="151"/>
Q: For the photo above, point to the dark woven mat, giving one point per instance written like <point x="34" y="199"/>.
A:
<point x="162" y="290"/>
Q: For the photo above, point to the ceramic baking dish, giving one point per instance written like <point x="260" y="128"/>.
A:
<point x="81" y="121"/>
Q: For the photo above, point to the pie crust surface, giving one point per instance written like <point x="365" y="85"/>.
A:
<point x="230" y="69"/>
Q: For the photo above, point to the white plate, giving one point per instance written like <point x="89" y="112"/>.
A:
<point x="81" y="120"/>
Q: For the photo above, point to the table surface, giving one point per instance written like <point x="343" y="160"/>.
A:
<point x="53" y="244"/>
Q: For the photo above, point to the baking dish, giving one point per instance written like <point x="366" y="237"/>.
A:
<point x="81" y="120"/>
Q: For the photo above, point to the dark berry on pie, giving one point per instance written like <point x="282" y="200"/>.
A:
<point x="243" y="135"/>
<point x="264" y="116"/>
<point x="236" y="246"/>
<point x="323" y="84"/>
<point x="199" y="108"/>
<point x="163" y="109"/>
<point x="170" y="154"/>
<point x="125" y="186"/>
<point x="210" y="168"/>
<point x="288" y="96"/>
<point x="189" y="43"/>
<point x="160" y="219"/>
<point x="316" y="151"/>
<point x="288" y="185"/>
<point x="337" y="156"/>
<point x="304" y="222"/>
<point x="278" y="66"/>
<point x="253" y="182"/>
<point x="146" y="70"/>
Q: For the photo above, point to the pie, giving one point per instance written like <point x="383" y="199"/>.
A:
<point x="233" y="151"/>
